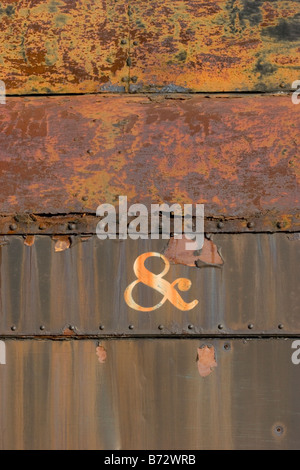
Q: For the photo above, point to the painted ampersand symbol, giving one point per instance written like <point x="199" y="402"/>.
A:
<point x="157" y="282"/>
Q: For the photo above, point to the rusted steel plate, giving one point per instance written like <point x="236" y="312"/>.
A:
<point x="81" y="224"/>
<point x="62" y="46"/>
<point x="91" y="46"/>
<point x="145" y="394"/>
<point x="223" y="45"/>
<point x="238" y="156"/>
<point x="244" y="284"/>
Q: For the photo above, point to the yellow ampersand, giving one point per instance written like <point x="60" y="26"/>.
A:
<point x="157" y="282"/>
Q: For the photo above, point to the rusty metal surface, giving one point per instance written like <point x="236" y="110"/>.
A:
<point x="61" y="155"/>
<point x="91" y="46"/>
<point x="62" y="46"/>
<point x="224" y="45"/>
<point x="145" y="394"/>
<point x="245" y="284"/>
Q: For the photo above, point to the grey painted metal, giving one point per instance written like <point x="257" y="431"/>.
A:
<point x="148" y="394"/>
<point x="44" y="292"/>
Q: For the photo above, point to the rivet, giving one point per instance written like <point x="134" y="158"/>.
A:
<point x="190" y="327"/>
<point x="128" y="61"/>
<point x="101" y="327"/>
<point x="280" y="326"/>
<point x="13" y="227"/>
<point x="135" y="43"/>
<point x="220" y="224"/>
<point x="72" y="226"/>
<point x="16" y="218"/>
<point x="131" y="327"/>
<point x="279" y="225"/>
<point x="42" y="327"/>
<point x="250" y="224"/>
<point x="13" y="328"/>
<point x="123" y="41"/>
<point x="226" y="346"/>
<point x="90" y="152"/>
<point x="282" y="85"/>
<point x="250" y="326"/>
<point x="134" y="79"/>
<point x="42" y="226"/>
<point x="220" y="326"/>
<point x="160" y="327"/>
<point x="124" y="79"/>
<point x="72" y="327"/>
<point x="85" y="198"/>
<point x="278" y="430"/>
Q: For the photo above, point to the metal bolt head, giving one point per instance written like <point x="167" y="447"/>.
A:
<point x="160" y="327"/>
<point x="123" y="41"/>
<point x="42" y="226"/>
<point x="13" y="227"/>
<point x="135" y="43"/>
<point x="278" y="430"/>
<point x="220" y="326"/>
<point x="250" y="224"/>
<point x="85" y="198"/>
<point x="101" y="327"/>
<point x="42" y="327"/>
<point x="72" y="327"/>
<point x="134" y="79"/>
<point x="279" y="225"/>
<point x="131" y="327"/>
<point x="190" y="327"/>
<point x="13" y="328"/>
<point x="226" y="346"/>
<point x="280" y="326"/>
<point x="250" y="326"/>
<point x="220" y="224"/>
<point x="72" y="226"/>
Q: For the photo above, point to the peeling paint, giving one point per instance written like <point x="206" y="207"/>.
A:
<point x="206" y="360"/>
<point x="208" y="256"/>
<point x="62" y="243"/>
<point x="29" y="240"/>
<point x="101" y="353"/>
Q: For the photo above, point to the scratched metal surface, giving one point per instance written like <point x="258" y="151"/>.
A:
<point x="145" y="394"/>
<point x="83" y="286"/>
<point x="65" y="155"/>
<point x="158" y="45"/>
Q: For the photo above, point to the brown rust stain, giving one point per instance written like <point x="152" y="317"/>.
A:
<point x="101" y="353"/>
<point x="177" y="253"/>
<point x="206" y="360"/>
<point x="62" y="155"/>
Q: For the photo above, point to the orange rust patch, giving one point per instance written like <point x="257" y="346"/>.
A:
<point x="176" y="253"/>
<point x="206" y="360"/>
<point x="62" y="243"/>
<point x="101" y="353"/>
<point x="29" y="240"/>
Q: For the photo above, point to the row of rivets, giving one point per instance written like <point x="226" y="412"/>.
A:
<point x="160" y="327"/>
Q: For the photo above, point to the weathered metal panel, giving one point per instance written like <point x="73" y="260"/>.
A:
<point x="63" y="46"/>
<point x="145" y="394"/>
<point x="64" y="155"/>
<point x="250" y="287"/>
<point x="223" y="45"/>
<point x="158" y="45"/>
